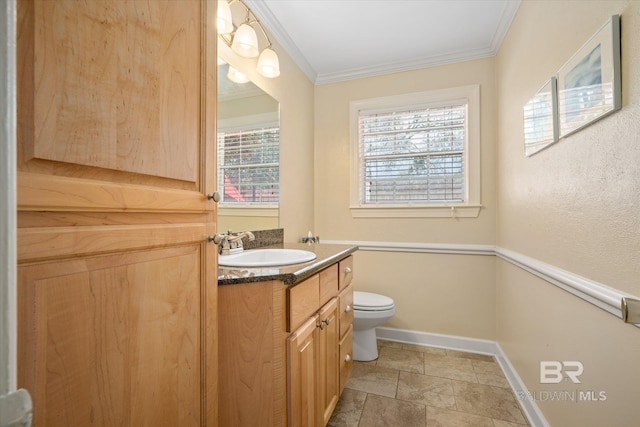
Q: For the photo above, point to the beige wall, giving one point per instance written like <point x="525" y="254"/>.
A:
<point x="574" y="205"/>
<point x="447" y="294"/>
<point x="294" y="92"/>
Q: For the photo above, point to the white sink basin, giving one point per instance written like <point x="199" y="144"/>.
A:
<point x="266" y="258"/>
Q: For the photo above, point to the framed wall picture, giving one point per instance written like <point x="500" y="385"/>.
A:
<point x="540" y="118"/>
<point x="589" y="83"/>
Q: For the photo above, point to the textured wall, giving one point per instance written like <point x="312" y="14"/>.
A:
<point x="574" y="205"/>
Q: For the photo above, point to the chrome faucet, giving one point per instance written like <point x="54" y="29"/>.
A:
<point x="231" y="243"/>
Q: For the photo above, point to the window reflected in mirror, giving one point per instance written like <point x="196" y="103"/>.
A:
<point x="248" y="155"/>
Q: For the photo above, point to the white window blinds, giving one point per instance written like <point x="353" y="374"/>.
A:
<point x="412" y="157"/>
<point x="248" y="166"/>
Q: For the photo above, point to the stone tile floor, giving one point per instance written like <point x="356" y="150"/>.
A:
<point x="410" y="385"/>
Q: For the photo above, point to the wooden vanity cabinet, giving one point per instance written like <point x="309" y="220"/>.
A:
<point x="285" y="352"/>
<point x="329" y="345"/>
<point x="312" y="368"/>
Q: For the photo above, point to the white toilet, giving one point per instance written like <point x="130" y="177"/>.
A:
<point x="369" y="310"/>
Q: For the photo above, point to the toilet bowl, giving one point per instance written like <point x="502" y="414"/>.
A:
<point x="369" y="310"/>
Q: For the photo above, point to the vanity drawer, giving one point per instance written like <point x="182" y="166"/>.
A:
<point x="346" y="272"/>
<point x="303" y="300"/>
<point x="346" y="357"/>
<point x="346" y="309"/>
<point x="328" y="283"/>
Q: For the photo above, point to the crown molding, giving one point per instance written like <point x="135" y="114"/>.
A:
<point x="508" y="14"/>
<point x="273" y="26"/>
<point x="264" y="14"/>
<point x="400" y="66"/>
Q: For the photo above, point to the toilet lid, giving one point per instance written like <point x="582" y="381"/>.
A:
<point x="371" y="302"/>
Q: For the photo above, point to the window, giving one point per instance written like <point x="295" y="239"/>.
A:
<point x="248" y="167"/>
<point x="416" y="155"/>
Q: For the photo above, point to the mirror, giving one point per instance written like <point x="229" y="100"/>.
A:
<point x="248" y="155"/>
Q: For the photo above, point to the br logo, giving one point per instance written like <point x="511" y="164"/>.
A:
<point x="551" y="371"/>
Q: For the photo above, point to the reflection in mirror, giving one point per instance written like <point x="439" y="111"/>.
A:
<point x="540" y="119"/>
<point x="248" y="154"/>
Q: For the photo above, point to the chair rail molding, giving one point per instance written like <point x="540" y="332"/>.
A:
<point x="598" y="294"/>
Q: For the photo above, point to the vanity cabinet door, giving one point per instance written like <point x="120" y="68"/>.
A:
<point x="346" y="334"/>
<point x="314" y="368"/>
<point x="346" y="357"/>
<point x="346" y="309"/>
<point x="345" y="276"/>
<point x="302" y="375"/>
<point x="328" y="360"/>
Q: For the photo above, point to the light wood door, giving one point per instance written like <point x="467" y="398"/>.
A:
<point x="328" y="360"/>
<point x="302" y="375"/>
<point x="116" y="339"/>
<point x="116" y="154"/>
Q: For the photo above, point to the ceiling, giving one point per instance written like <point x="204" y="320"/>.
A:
<point x="336" y="40"/>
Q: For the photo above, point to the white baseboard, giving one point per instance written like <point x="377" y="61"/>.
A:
<point x="473" y="345"/>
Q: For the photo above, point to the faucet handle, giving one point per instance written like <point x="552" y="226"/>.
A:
<point x="217" y="238"/>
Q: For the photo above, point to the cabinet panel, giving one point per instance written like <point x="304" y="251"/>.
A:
<point x="302" y="375"/>
<point x="328" y="283"/>
<point x="346" y="309"/>
<point x="252" y="359"/>
<point x="116" y="85"/>
<point x="345" y="276"/>
<point x="303" y="300"/>
<point x="346" y="357"/>
<point x="114" y="340"/>
<point x="329" y="375"/>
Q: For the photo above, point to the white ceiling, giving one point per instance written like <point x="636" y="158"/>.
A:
<point x="335" y="40"/>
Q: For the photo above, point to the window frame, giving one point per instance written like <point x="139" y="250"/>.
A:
<point x="263" y="120"/>
<point x="470" y="207"/>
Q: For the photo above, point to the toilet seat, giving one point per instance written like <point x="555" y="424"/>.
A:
<point x="367" y="301"/>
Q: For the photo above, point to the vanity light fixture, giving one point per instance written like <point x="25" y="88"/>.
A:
<point x="225" y="19"/>
<point x="243" y="39"/>
<point x="236" y="76"/>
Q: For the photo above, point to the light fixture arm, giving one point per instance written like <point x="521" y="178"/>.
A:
<point x="228" y="39"/>
<point x="243" y="40"/>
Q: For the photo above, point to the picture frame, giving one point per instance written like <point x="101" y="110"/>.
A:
<point x="589" y="84"/>
<point x="540" y="117"/>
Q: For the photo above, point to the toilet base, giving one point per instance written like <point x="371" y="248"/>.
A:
<point x="365" y="345"/>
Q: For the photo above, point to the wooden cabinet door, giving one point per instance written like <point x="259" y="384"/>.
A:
<point x="117" y="284"/>
<point x="116" y="339"/>
<point x="328" y="360"/>
<point x="302" y="375"/>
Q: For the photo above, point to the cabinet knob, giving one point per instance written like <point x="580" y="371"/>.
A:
<point x="347" y="308"/>
<point x="327" y="321"/>
<point x="347" y="270"/>
<point x="215" y="197"/>
<point x="320" y="325"/>
<point x="347" y="358"/>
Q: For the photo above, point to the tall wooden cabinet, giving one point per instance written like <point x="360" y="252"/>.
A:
<point x="117" y="287"/>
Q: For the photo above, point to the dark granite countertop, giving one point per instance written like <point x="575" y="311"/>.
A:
<point x="289" y="274"/>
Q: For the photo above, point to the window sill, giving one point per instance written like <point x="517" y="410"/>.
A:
<point x="248" y="211"/>
<point x="441" y="211"/>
